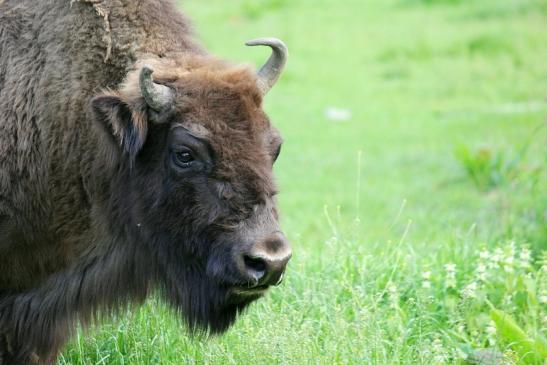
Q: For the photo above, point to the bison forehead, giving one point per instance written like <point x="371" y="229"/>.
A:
<point x="245" y="162"/>
<point x="235" y="129"/>
<point x="219" y="100"/>
<point x="247" y="166"/>
<point x="221" y="103"/>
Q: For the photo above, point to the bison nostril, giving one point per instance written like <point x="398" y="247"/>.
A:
<point x="264" y="264"/>
<point x="256" y="264"/>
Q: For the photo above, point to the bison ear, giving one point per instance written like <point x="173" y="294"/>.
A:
<point x="125" y="126"/>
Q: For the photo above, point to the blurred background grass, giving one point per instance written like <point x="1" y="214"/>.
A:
<point x="414" y="137"/>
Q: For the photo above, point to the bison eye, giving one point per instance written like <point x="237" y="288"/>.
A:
<point x="184" y="159"/>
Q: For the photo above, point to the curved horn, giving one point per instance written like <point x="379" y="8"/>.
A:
<point x="270" y="72"/>
<point x="158" y="97"/>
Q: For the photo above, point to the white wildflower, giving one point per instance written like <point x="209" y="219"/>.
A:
<point x="491" y="333"/>
<point x="495" y="258"/>
<point x="491" y="328"/>
<point x="525" y="258"/>
<point x="450" y="275"/>
<point x="484" y="255"/>
<point x="509" y="258"/>
<point x="543" y="299"/>
<point x="542" y="260"/>
<point x="426" y="283"/>
<point x="393" y="294"/>
<point x="470" y="291"/>
<point x="439" y="352"/>
<point x="481" y="272"/>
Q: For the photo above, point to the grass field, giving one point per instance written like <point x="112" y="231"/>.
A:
<point x="413" y="188"/>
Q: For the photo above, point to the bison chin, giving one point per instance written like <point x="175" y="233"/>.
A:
<point x="205" y="304"/>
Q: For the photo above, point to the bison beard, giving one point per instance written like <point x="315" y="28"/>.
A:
<point x="131" y="162"/>
<point x="203" y="303"/>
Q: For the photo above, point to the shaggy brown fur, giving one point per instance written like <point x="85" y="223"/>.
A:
<point x="93" y="212"/>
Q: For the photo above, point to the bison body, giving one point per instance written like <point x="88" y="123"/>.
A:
<point x="131" y="160"/>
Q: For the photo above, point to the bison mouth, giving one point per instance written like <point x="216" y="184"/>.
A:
<point x="210" y="306"/>
<point x="223" y="312"/>
<point x="247" y="291"/>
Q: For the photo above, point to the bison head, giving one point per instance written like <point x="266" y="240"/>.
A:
<point x="192" y="181"/>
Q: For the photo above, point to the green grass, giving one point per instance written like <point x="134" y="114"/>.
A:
<point x="377" y="205"/>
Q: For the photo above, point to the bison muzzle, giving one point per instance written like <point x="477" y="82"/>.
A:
<point x="132" y="161"/>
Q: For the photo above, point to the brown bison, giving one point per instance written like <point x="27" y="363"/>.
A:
<point x="131" y="161"/>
